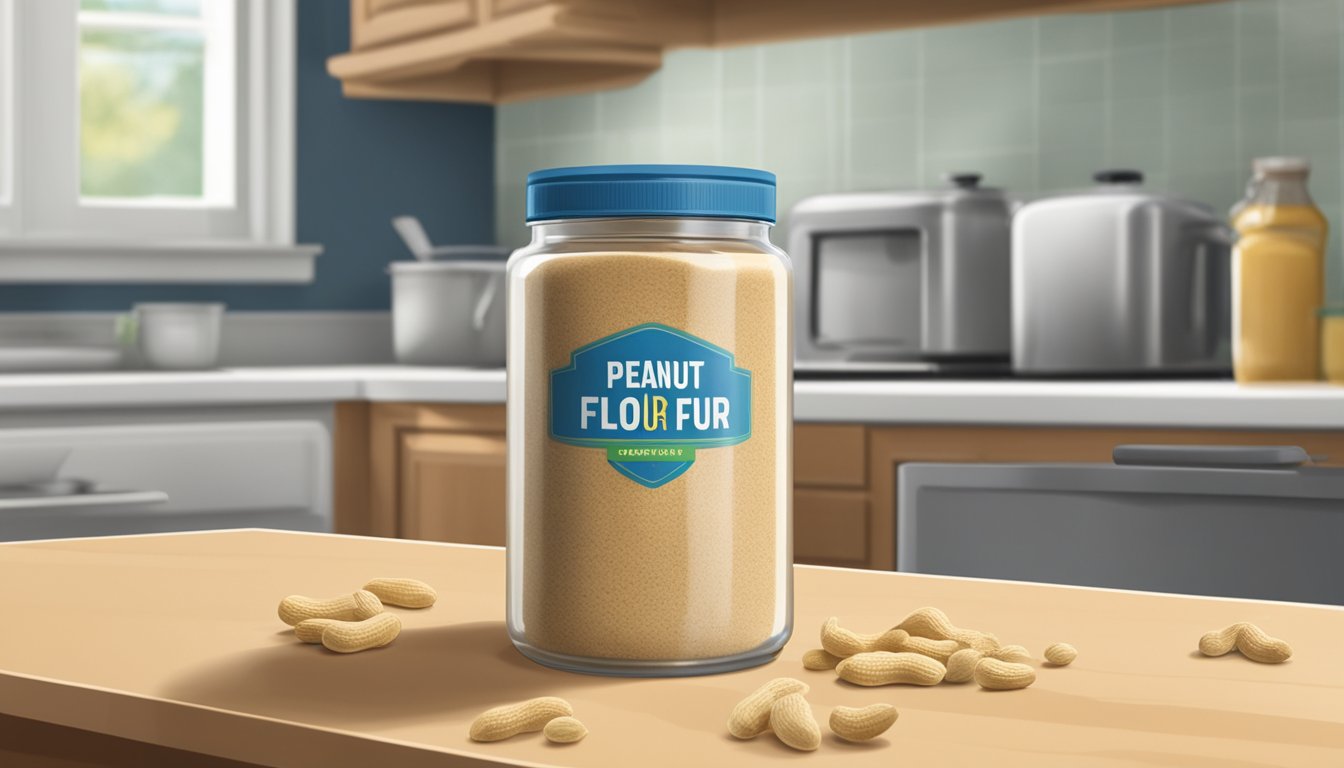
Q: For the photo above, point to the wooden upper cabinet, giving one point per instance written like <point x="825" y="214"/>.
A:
<point x="737" y="22"/>
<point x="495" y="51"/>
<point x="379" y="22"/>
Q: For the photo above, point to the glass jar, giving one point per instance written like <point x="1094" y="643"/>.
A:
<point x="650" y="422"/>
<point x="1278" y="275"/>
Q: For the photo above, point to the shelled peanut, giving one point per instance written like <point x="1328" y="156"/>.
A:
<point x="934" y="624"/>
<point x="961" y="665"/>
<point x="792" y="721"/>
<point x="751" y="716"/>
<point x="357" y="621"/>
<point x="1250" y="640"/>
<point x="509" y="720"/>
<point x="843" y="643"/>
<point x="403" y="593"/>
<point x="355" y="606"/>
<point x="862" y="723"/>
<point x="565" y="730"/>
<point x="355" y="636"/>
<point x="887" y="668"/>
<point x="1015" y="654"/>
<point x="1061" y="654"/>
<point x="924" y="648"/>
<point x="820" y="658"/>
<point x="780" y="706"/>
<point x="997" y="675"/>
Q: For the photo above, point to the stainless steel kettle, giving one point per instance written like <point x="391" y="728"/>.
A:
<point x="1118" y="279"/>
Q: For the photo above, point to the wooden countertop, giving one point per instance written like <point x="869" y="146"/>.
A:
<point x="173" y="640"/>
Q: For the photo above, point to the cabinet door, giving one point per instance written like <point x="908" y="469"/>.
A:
<point x="452" y="487"/>
<point x="830" y="527"/>
<point x="830" y="496"/>
<point x="830" y="455"/>
<point x="378" y="22"/>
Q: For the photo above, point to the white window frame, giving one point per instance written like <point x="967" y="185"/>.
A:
<point x="7" y="84"/>
<point x="238" y="232"/>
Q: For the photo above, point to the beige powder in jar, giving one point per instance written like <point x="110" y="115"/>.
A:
<point x="694" y="569"/>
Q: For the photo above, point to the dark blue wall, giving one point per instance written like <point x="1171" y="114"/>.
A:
<point x="359" y="163"/>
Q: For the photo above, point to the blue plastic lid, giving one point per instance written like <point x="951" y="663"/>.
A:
<point x="608" y="191"/>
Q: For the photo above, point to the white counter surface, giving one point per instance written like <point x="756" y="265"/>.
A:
<point x="1073" y="403"/>
<point x="909" y="401"/>
<point x="385" y="383"/>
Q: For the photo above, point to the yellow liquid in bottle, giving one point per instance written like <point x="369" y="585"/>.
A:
<point x="1332" y="348"/>
<point x="1279" y="264"/>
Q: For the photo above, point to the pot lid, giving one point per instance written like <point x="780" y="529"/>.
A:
<point x="470" y="252"/>
<point x="462" y="265"/>
<point x="962" y="187"/>
<point x="963" y="179"/>
<point x="1125" y="186"/>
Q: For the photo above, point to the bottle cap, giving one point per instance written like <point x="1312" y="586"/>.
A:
<point x="1288" y="166"/>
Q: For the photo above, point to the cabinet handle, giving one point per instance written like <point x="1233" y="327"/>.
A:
<point x="1229" y="456"/>
<point x="96" y="501"/>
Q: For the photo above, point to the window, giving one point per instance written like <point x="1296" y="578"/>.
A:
<point x="156" y="99"/>
<point x="160" y="128"/>
<point x="6" y="114"/>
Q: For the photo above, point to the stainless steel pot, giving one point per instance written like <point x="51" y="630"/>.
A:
<point x="449" y="312"/>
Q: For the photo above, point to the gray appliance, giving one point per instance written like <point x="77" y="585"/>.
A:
<point x="901" y="277"/>
<point x="1246" y="522"/>
<point x="94" y="472"/>
<point x="1118" y="279"/>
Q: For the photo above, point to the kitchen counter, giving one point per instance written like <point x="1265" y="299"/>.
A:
<point x="380" y="383"/>
<point x="1139" y="403"/>
<point x="172" y="641"/>
<point x="1217" y="404"/>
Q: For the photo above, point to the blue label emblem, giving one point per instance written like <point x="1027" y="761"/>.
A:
<point x="650" y="396"/>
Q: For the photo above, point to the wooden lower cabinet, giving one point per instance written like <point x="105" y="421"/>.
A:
<point x="452" y="487"/>
<point x="831" y="527"/>
<point x="437" y="472"/>
<point x="415" y="471"/>
<point x="832" y="519"/>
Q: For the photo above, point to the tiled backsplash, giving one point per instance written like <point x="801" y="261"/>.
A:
<point x="1188" y="95"/>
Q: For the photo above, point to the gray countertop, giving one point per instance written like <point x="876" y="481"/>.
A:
<point x="910" y="401"/>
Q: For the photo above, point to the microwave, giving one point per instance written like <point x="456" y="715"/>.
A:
<point x="918" y="275"/>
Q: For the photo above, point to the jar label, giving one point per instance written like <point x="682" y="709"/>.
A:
<point x="651" y="396"/>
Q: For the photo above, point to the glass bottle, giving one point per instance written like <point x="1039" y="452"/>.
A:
<point x="1278" y="275"/>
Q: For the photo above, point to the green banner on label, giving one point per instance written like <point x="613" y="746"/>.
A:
<point x="678" y="453"/>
